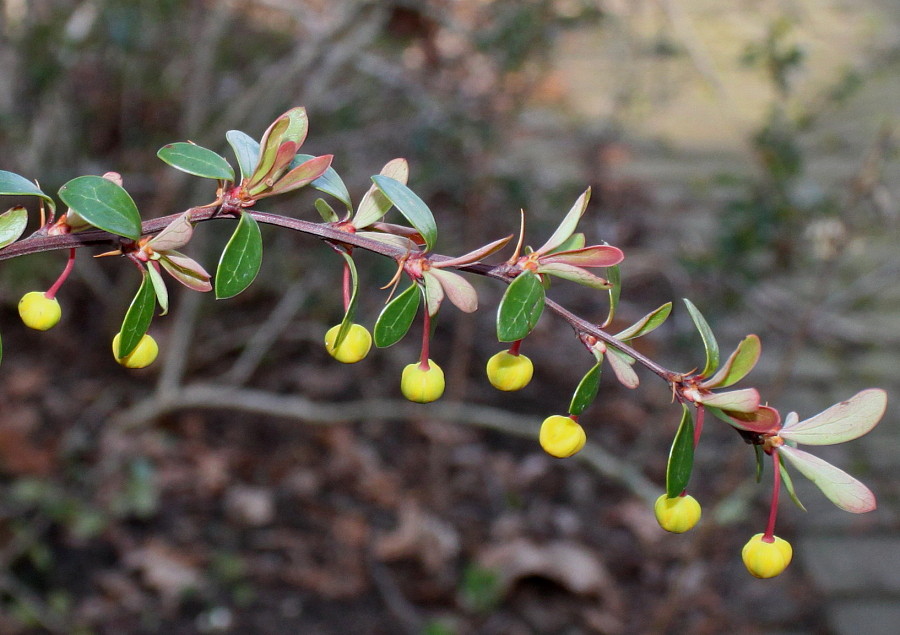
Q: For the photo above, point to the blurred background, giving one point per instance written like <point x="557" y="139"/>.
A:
<point x="743" y="154"/>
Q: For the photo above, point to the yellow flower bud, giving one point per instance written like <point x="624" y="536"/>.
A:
<point x="38" y="311"/>
<point x="509" y="372"/>
<point x="142" y="356"/>
<point x="420" y="385"/>
<point x="678" y="514"/>
<point x="561" y="436"/>
<point x="353" y="348"/>
<point x="766" y="559"/>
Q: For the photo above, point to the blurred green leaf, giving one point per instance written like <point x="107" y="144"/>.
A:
<point x="709" y="340"/>
<point x="789" y="485"/>
<point x="12" y="223"/>
<point x="196" y="160"/>
<point x="137" y="318"/>
<point x="521" y="307"/>
<point x="614" y="276"/>
<point x="681" y="455"/>
<point x="240" y="260"/>
<point x="587" y="391"/>
<point x="103" y="204"/>
<point x="410" y="205"/>
<point x="246" y="151"/>
<point x="396" y="318"/>
<point x="15" y="185"/>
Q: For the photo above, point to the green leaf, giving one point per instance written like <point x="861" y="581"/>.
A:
<point x="159" y="288"/>
<point x="329" y="183"/>
<point x="759" y="462"/>
<point x="587" y="391"/>
<point x="103" y="204"/>
<point x="410" y="205"/>
<point x="681" y="456"/>
<point x="646" y="324"/>
<point x="15" y="185"/>
<point x="788" y="484"/>
<point x="738" y="364"/>
<point x="278" y="147"/>
<point x="137" y="318"/>
<point x="246" y="151"/>
<point x="196" y="160"/>
<point x="574" y="274"/>
<point x="241" y="259"/>
<point x="839" y="487"/>
<point x="12" y="223"/>
<point x="374" y="204"/>
<point x="575" y="241"/>
<point x="350" y="313"/>
<point x="614" y="277"/>
<point x="521" y="307"/>
<point x="567" y="226"/>
<point x="327" y="213"/>
<point x="621" y="366"/>
<point x="396" y="318"/>
<point x="709" y="340"/>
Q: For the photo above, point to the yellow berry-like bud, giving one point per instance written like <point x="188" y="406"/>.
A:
<point x="678" y="514"/>
<point x="561" y="436"/>
<point x="142" y="355"/>
<point x="766" y="559"/>
<point x="509" y="372"/>
<point x="420" y="385"/>
<point x="38" y="311"/>
<point x="354" y="347"/>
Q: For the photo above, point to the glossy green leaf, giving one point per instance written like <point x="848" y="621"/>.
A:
<point x="241" y="259"/>
<point x="614" y="276"/>
<point x="410" y="205"/>
<point x="327" y="213"/>
<point x="103" y="204"/>
<point x="586" y="391"/>
<point x="646" y="324"/>
<point x="350" y="313"/>
<point x="709" y="340"/>
<point x="137" y="318"/>
<point x="15" y="185"/>
<point x="159" y="288"/>
<point x="681" y="455"/>
<point x="330" y="182"/>
<point x="738" y="364"/>
<point x="396" y="318"/>
<point x="246" y="151"/>
<point x="196" y="160"/>
<point x="567" y="226"/>
<point x="788" y="484"/>
<point x="839" y="487"/>
<point x="12" y="223"/>
<point x="374" y="204"/>
<point x="841" y="422"/>
<point x="521" y="307"/>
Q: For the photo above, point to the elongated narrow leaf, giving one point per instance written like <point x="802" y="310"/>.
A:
<point x="788" y="484"/>
<point x="646" y="324"/>
<point x="621" y="367"/>
<point x="521" y="307"/>
<point x="410" y="205"/>
<point x="744" y="400"/>
<point x="15" y="185"/>
<point x="176" y="234"/>
<point x="304" y="174"/>
<point x="330" y="182"/>
<point x="374" y="204"/>
<point x="709" y="340"/>
<point x="841" y="422"/>
<point x="103" y="204"/>
<point x="241" y="259"/>
<point x="757" y="450"/>
<point x="12" y="223"/>
<point x="681" y="455"/>
<point x="841" y="489"/>
<point x="594" y="256"/>
<point x="329" y="216"/>
<point x="574" y="274"/>
<point x="396" y="318"/>
<point x="614" y="276"/>
<point x="586" y="391"/>
<point x="567" y="226"/>
<point x="246" y="151"/>
<point x="738" y="364"/>
<point x="159" y="287"/>
<point x="389" y="239"/>
<point x="137" y="318"/>
<point x="457" y="289"/>
<point x="196" y="160"/>
<point x="350" y="313"/>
